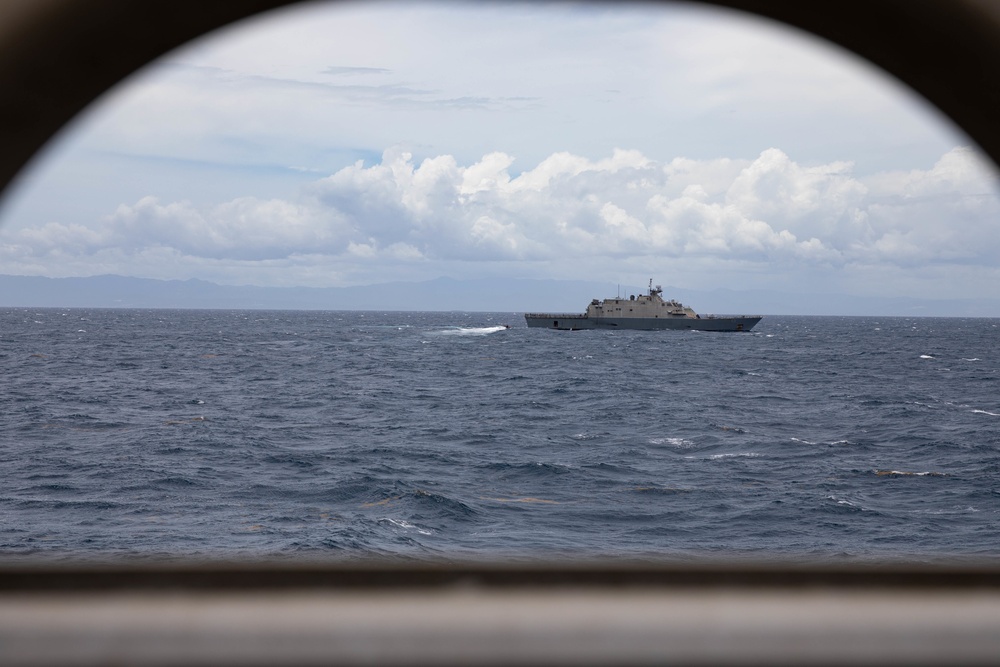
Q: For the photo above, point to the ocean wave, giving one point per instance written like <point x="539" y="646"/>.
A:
<point x="659" y="490"/>
<point x="522" y="500"/>
<point x="536" y="469"/>
<point x="472" y="331"/>
<point x="844" y="504"/>
<point x="440" y="502"/>
<point x="731" y="455"/>
<point x="405" y="525"/>
<point x="904" y="473"/>
<point x="673" y="442"/>
<point x="968" y="509"/>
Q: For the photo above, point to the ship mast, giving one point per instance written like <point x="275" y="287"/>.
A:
<point x="658" y="290"/>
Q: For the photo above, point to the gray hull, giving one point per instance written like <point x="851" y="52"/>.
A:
<point x="573" y="322"/>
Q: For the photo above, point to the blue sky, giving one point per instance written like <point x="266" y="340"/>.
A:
<point x="345" y="144"/>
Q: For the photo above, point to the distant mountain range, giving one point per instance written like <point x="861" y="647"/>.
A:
<point x="446" y="294"/>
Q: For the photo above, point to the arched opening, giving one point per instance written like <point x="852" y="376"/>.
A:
<point x="573" y="210"/>
<point x="968" y="40"/>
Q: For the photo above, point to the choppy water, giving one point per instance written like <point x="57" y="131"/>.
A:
<point x="249" y="434"/>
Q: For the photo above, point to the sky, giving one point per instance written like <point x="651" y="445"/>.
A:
<point x="351" y="144"/>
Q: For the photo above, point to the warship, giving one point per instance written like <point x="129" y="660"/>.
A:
<point x="643" y="312"/>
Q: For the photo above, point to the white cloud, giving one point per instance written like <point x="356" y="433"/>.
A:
<point x="947" y="213"/>
<point x="364" y="222"/>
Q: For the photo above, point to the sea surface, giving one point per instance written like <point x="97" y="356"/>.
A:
<point x="346" y="436"/>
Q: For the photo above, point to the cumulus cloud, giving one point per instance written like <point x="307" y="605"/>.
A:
<point x="625" y="207"/>
<point x="244" y="228"/>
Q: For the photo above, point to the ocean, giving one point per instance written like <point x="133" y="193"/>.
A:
<point x="447" y="437"/>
